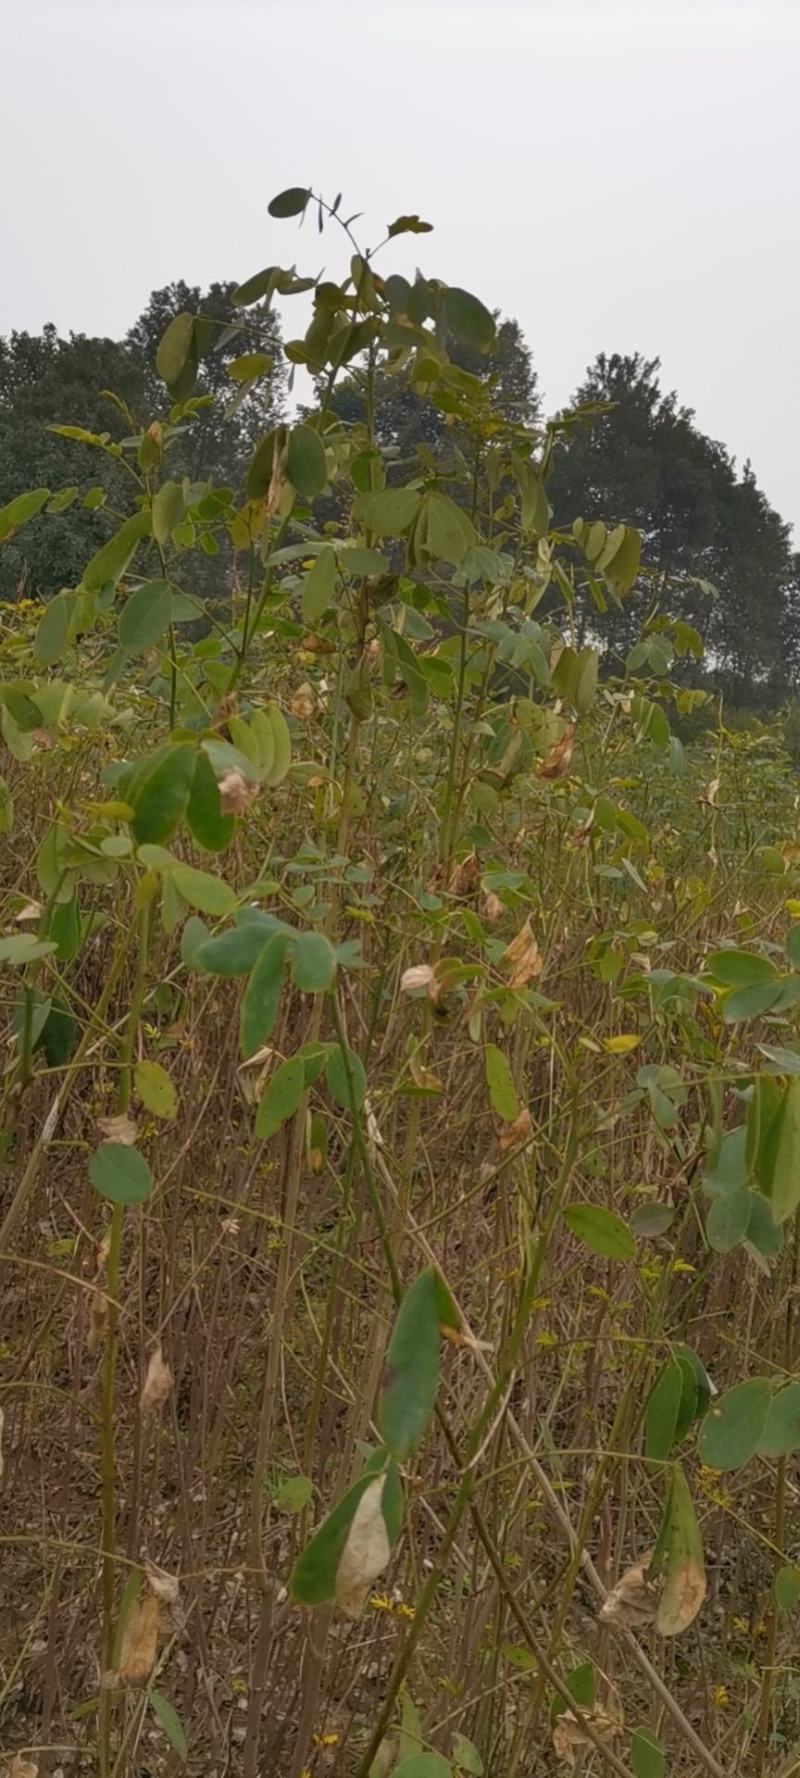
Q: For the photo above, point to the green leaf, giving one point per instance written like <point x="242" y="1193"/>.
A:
<point x="732" y="1431"/>
<point x="65" y="929"/>
<point x="410" y="1740"/>
<point x="728" y="1220"/>
<point x="170" y="1722"/>
<point x="781" y="1433"/>
<point x="236" y="951"/>
<point x="155" y="1089"/>
<point x="108" y="563"/>
<point x="208" y="826"/>
<point x="210" y="895"/>
<point x="176" y="356"/>
<point x="751" y="1002"/>
<point x="194" y="936"/>
<point x="647" y="1758"/>
<point x="740" y="969"/>
<point x="423" y="1765"/>
<point x="661" y="1412"/>
<point x="601" y="1230"/>
<point x="295" y="1494"/>
<point x="24" y="947"/>
<point x="787" y="1587"/>
<point x="22" y="508"/>
<point x="781" y="1168"/>
<point x="313" y="962"/>
<point x="343" y="1075"/>
<point x="412" y="1368"/>
<point x="466" y="1756"/>
<point x="59" y="1036"/>
<point x="120" y="1173"/>
<point x="282" y="1097"/>
<point x="313" y="1579"/>
<point x="305" y="461"/>
<point x="145" y="617"/>
<point x="502" y="1091"/>
<point x="408" y="225"/>
<point x="318" y="586"/>
<point x="291" y="202"/>
<point x="168" y="510"/>
<point x="6" y="808"/>
<point x="262" y="995"/>
<point x="650" y="1220"/>
<point x="159" y="793"/>
<point x="468" y="319"/>
<point x="53" y="628"/>
<point x="389" y="512"/>
<point x="249" y="365"/>
<point x="449" y="533"/>
<point x="678" y="1555"/>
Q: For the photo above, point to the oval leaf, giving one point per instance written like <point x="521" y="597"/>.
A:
<point x="412" y="1368"/>
<point x="600" y="1229"/>
<point x="120" y="1173"/>
<point x="733" y="1429"/>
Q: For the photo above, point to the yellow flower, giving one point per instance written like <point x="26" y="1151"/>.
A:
<point x="326" y="1740"/>
<point x="720" y="1697"/>
<point x="381" y="1602"/>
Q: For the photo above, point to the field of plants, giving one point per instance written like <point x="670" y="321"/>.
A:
<point x="400" y="1130"/>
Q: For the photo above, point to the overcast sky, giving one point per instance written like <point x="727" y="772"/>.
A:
<point x="617" y="176"/>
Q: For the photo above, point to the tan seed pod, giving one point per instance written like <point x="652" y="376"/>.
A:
<point x="157" y="1383"/>
<point x="492" y="907"/>
<point x="140" y="1641"/>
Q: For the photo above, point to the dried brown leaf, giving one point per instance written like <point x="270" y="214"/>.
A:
<point x="31" y="911"/>
<point x="140" y="1641"/>
<point x="420" y="975"/>
<point x="492" y="906"/>
<point x="464" y="877"/>
<point x="157" y="1383"/>
<point x="366" y="1551"/>
<point x="302" y="703"/>
<point x="557" y="762"/>
<point x="22" y="1768"/>
<point x="235" y="794"/>
<point x="510" y="1135"/>
<point x="632" y="1602"/>
<point x="166" y="1586"/>
<point x="524" y="956"/>
<point x="119" y="1129"/>
<point x="569" y="1737"/>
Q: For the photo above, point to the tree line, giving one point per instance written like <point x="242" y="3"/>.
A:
<point x="713" y="547"/>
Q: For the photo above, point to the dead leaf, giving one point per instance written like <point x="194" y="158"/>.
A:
<point x="31" y="911"/>
<point x="510" y="1135"/>
<point x="632" y="1602"/>
<point x="465" y="876"/>
<point x="492" y="907"/>
<point x="524" y="956"/>
<point x="23" y="1768"/>
<point x="366" y="1551"/>
<point x="140" y="1641"/>
<point x="302" y="703"/>
<point x="235" y="794"/>
<point x="569" y="1737"/>
<point x="557" y="762"/>
<point x="420" y="975"/>
<point x="157" y="1383"/>
<point x="119" y="1129"/>
<point x="165" y="1586"/>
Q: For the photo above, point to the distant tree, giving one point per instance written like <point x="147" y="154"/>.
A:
<point x="47" y="380"/>
<point x="645" y="462"/>
<point x="219" y="442"/>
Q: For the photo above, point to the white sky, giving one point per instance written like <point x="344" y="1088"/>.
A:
<point x="618" y="176"/>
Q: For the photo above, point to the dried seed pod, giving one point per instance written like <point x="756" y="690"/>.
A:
<point x="140" y="1641"/>
<point x="157" y="1383"/>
